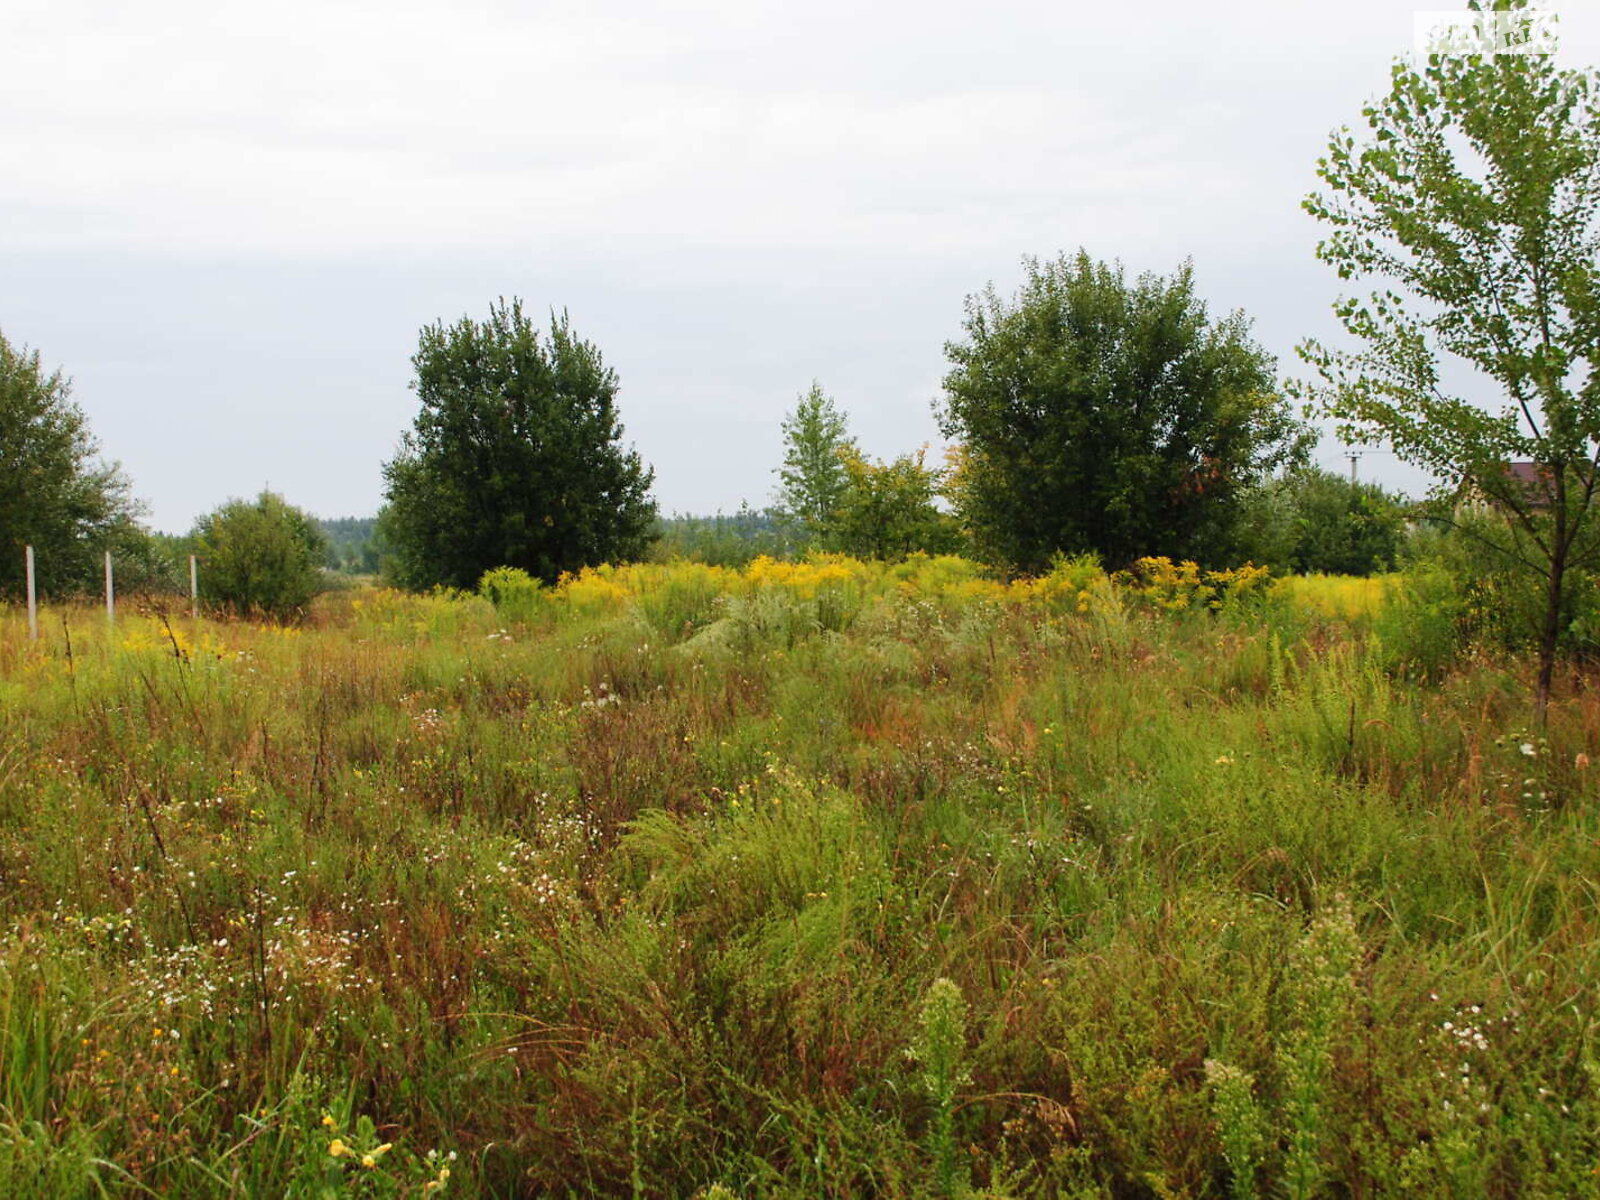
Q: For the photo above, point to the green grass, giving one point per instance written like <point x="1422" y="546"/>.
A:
<point x="645" y="888"/>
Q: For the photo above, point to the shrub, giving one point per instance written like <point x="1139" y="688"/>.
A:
<point x="1164" y="584"/>
<point x="259" y="556"/>
<point x="515" y="594"/>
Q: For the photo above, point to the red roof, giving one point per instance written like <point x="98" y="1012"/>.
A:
<point x="1533" y="481"/>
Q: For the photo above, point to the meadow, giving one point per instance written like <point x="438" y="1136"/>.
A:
<point x="808" y="879"/>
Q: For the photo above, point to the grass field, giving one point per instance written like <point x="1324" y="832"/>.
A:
<point x="819" y="879"/>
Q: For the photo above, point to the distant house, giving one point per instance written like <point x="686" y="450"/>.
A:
<point x="1526" y="479"/>
<point x="1533" y="482"/>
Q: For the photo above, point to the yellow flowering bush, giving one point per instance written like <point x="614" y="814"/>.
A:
<point x="1345" y="596"/>
<point x="514" y="593"/>
<point x="1075" y="584"/>
<point x="1177" y="587"/>
<point x="1164" y="584"/>
<point x="680" y="598"/>
<point x="812" y="574"/>
<point x="592" y="590"/>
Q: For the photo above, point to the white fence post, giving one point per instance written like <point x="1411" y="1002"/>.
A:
<point x="194" y="588"/>
<point x="111" y="602"/>
<point x="33" y="601"/>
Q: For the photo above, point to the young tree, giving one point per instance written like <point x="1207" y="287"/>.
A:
<point x="55" y="494"/>
<point x="259" y="556"/>
<point x="1098" y="415"/>
<point x="1477" y="194"/>
<point x="815" y="437"/>
<point x="515" y="458"/>
<point x="887" y="509"/>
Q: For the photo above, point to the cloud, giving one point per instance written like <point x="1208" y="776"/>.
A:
<point x="340" y="128"/>
<point x="229" y="220"/>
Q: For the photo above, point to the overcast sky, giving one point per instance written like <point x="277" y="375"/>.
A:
<point x="227" y="222"/>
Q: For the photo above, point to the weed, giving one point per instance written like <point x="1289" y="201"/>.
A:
<point x="635" y="883"/>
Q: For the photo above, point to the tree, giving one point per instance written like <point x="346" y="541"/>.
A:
<point x="887" y="510"/>
<point x="260" y="556"/>
<point x="815" y="436"/>
<point x="1095" y="415"/>
<point x="1477" y="195"/>
<point x="515" y="458"/>
<point x="352" y="545"/>
<point x="56" y="495"/>
<point x="725" y="539"/>
<point x="1311" y="520"/>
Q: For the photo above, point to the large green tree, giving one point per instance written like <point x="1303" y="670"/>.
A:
<point x="515" y="458"/>
<point x="56" y="494"/>
<point x="1474" y="200"/>
<point x="1095" y="414"/>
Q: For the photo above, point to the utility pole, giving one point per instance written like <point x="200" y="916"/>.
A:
<point x="33" y="600"/>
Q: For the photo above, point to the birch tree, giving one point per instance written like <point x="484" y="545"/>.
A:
<point x="1472" y="203"/>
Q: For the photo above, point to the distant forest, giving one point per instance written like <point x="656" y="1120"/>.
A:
<point x="722" y="539"/>
<point x="352" y="544"/>
<point x="729" y="540"/>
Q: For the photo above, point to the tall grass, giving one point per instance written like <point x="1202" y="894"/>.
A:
<point x="815" y="879"/>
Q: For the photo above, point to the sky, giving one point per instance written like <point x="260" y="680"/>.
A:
<point x="227" y="223"/>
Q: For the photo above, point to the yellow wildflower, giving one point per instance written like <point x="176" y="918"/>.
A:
<point x="435" y="1184"/>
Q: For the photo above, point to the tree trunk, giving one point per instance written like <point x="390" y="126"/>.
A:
<point x="1549" y="634"/>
